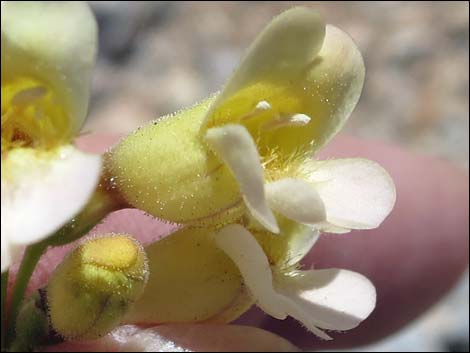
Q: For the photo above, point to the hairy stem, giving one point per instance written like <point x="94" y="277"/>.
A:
<point x="30" y="260"/>
<point x="4" y="307"/>
<point x="100" y="205"/>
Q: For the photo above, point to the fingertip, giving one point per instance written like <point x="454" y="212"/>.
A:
<point x="97" y="143"/>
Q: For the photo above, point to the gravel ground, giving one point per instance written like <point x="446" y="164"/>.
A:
<point x="158" y="57"/>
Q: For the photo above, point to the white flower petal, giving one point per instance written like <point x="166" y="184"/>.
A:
<point x="357" y="193"/>
<point x="296" y="199"/>
<point x="240" y="245"/>
<point x="281" y="52"/>
<point x="6" y="257"/>
<point x="54" y="42"/>
<point x="11" y="253"/>
<point x="298" y="312"/>
<point x="235" y="146"/>
<point x="332" y="299"/>
<point x="41" y="191"/>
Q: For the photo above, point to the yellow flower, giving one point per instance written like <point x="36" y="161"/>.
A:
<point x="245" y="157"/>
<point x="48" y="52"/>
<point x="250" y="148"/>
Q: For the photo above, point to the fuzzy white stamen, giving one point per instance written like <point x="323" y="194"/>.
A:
<point x="263" y="105"/>
<point x="291" y="120"/>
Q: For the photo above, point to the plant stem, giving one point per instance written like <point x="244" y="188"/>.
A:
<point x="4" y="307"/>
<point x="30" y="260"/>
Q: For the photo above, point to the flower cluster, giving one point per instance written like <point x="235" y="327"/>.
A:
<point x="236" y="171"/>
<point x="239" y="171"/>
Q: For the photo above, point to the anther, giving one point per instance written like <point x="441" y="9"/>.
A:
<point x="291" y="120"/>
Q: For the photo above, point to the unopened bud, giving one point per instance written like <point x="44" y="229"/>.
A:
<point x="96" y="285"/>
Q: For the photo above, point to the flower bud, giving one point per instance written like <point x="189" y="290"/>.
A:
<point x="206" y="165"/>
<point x="166" y="169"/>
<point x="95" y="286"/>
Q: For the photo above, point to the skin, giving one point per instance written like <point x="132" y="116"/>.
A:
<point x="414" y="258"/>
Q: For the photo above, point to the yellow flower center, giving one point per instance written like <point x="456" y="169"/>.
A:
<point x="266" y="110"/>
<point x="276" y="118"/>
<point x="287" y="120"/>
<point x="32" y="115"/>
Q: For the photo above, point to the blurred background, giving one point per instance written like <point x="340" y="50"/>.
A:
<point x="158" y="57"/>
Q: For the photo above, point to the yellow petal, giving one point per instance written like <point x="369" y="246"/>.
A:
<point x="317" y="75"/>
<point x="279" y="53"/>
<point x="335" y="80"/>
<point x="234" y="145"/>
<point x="191" y="280"/>
<point x="50" y="45"/>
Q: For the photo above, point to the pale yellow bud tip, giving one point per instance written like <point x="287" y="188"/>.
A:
<point x="96" y="285"/>
<point x="117" y="252"/>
